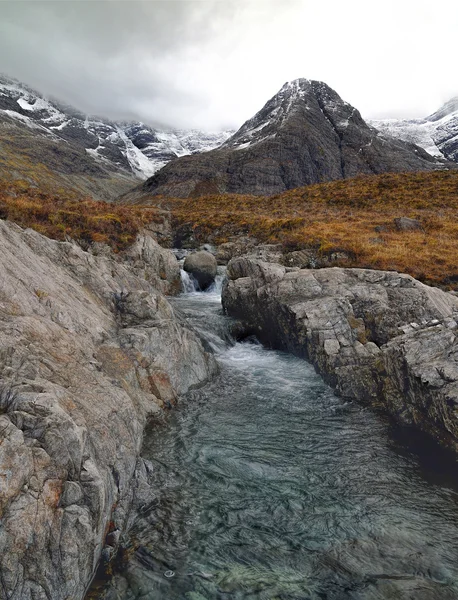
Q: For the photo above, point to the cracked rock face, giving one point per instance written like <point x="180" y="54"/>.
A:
<point x="89" y="350"/>
<point x="377" y="336"/>
<point x="305" y="134"/>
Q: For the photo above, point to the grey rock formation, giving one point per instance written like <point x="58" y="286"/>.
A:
<point x="89" y="351"/>
<point x="202" y="266"/>
<point x="235" y="247"/>
<point x="407" y="224"/>
<point x="238" y="246"/>
<point x="150" y="261"/>
<point x="305" y="134"/>
<point x="380" y="337"/>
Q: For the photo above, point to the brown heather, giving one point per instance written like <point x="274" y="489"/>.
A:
<point x="355" y="216"/>
<point x="65" y="215"/>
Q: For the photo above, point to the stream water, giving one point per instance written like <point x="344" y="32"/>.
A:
<point x="265" y="485"/>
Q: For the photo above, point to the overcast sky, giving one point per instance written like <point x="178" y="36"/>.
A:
<point x="212" y="64"/>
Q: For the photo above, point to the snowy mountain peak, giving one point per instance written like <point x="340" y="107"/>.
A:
<point x="296" y="87"/>
<point x="304" y="134"/>
<point x="448" y="108"/>
<point x="132" y="147"/>
<point x="295" y="98"/>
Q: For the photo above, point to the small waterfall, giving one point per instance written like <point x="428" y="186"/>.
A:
<point x="217" y="286"/>
<point x="188" y="284"/>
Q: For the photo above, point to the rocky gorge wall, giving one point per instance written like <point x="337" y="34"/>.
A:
<point x="377" y="336"/>
<point x="89" y="350"/>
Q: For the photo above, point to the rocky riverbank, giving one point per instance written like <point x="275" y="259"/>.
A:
<point x="89" y="350"/>
<point x="376" y="336"/>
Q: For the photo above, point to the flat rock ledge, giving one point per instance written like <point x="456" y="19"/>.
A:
<point x="379" y="337"/>
<point x="89" y="351"/>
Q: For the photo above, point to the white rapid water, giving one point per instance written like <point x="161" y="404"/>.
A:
<point x="190" y="286"/>
<point x="188" y="283"/>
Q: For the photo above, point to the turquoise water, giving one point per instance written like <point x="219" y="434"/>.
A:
<point x="265" y="485"/>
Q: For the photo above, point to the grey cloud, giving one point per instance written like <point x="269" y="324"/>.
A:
<point x="213" y="63"/>
<point x="106" y="56"/>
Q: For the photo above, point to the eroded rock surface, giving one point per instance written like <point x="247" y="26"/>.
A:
<point x="378" y="336"/>
<point x="89" y="349"/>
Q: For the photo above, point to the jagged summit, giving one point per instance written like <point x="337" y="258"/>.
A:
<point x="294" y="97"/>
<point x="306" y="133"/>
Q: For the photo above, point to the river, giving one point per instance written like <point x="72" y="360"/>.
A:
<point x="266" y="486"/>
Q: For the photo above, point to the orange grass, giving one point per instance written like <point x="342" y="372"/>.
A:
<point x="331" y="217"/>
<point x="67" y="215"/>
<point x="343" y="216"/>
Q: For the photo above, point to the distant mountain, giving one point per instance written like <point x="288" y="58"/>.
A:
<point x="437" y="134"/>
<point x="46" y="129"/>
<point x="305" y="134"/>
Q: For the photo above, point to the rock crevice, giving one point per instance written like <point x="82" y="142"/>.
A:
<point x="376" y="336"/>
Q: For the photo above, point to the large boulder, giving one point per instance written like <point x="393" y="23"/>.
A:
<point x="89" y="351"/>
<point x="202" y="266"/>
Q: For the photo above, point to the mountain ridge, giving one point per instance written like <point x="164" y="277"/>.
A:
<point x="127" y="148"/>
<point x="304" y="134"/>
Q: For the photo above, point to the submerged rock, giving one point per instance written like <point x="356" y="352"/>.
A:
<point x="202" y="266"/>
<point x="89" y="350"/>
<point x="377" y="336"/>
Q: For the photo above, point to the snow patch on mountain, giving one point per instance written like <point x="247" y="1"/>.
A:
<point x="417" y="132"/>
<point x="140" y="164"/>
<point x="135" y="147"/>
<point x="437" y="134"/>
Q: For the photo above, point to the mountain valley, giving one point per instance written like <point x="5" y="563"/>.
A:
<point x="162" y="436"/>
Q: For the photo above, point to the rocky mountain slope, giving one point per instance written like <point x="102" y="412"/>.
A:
<point x="31" y="157"/>
<point x="305" y="134"/>
<point x="89" y="350"/>
<point x="437" y="134"/>
<point x="74" y="147"/>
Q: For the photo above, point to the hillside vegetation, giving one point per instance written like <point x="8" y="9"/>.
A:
<point x="353" y="219"/>
<point x="353" y="216"/>
<point x="67" y="214"/>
